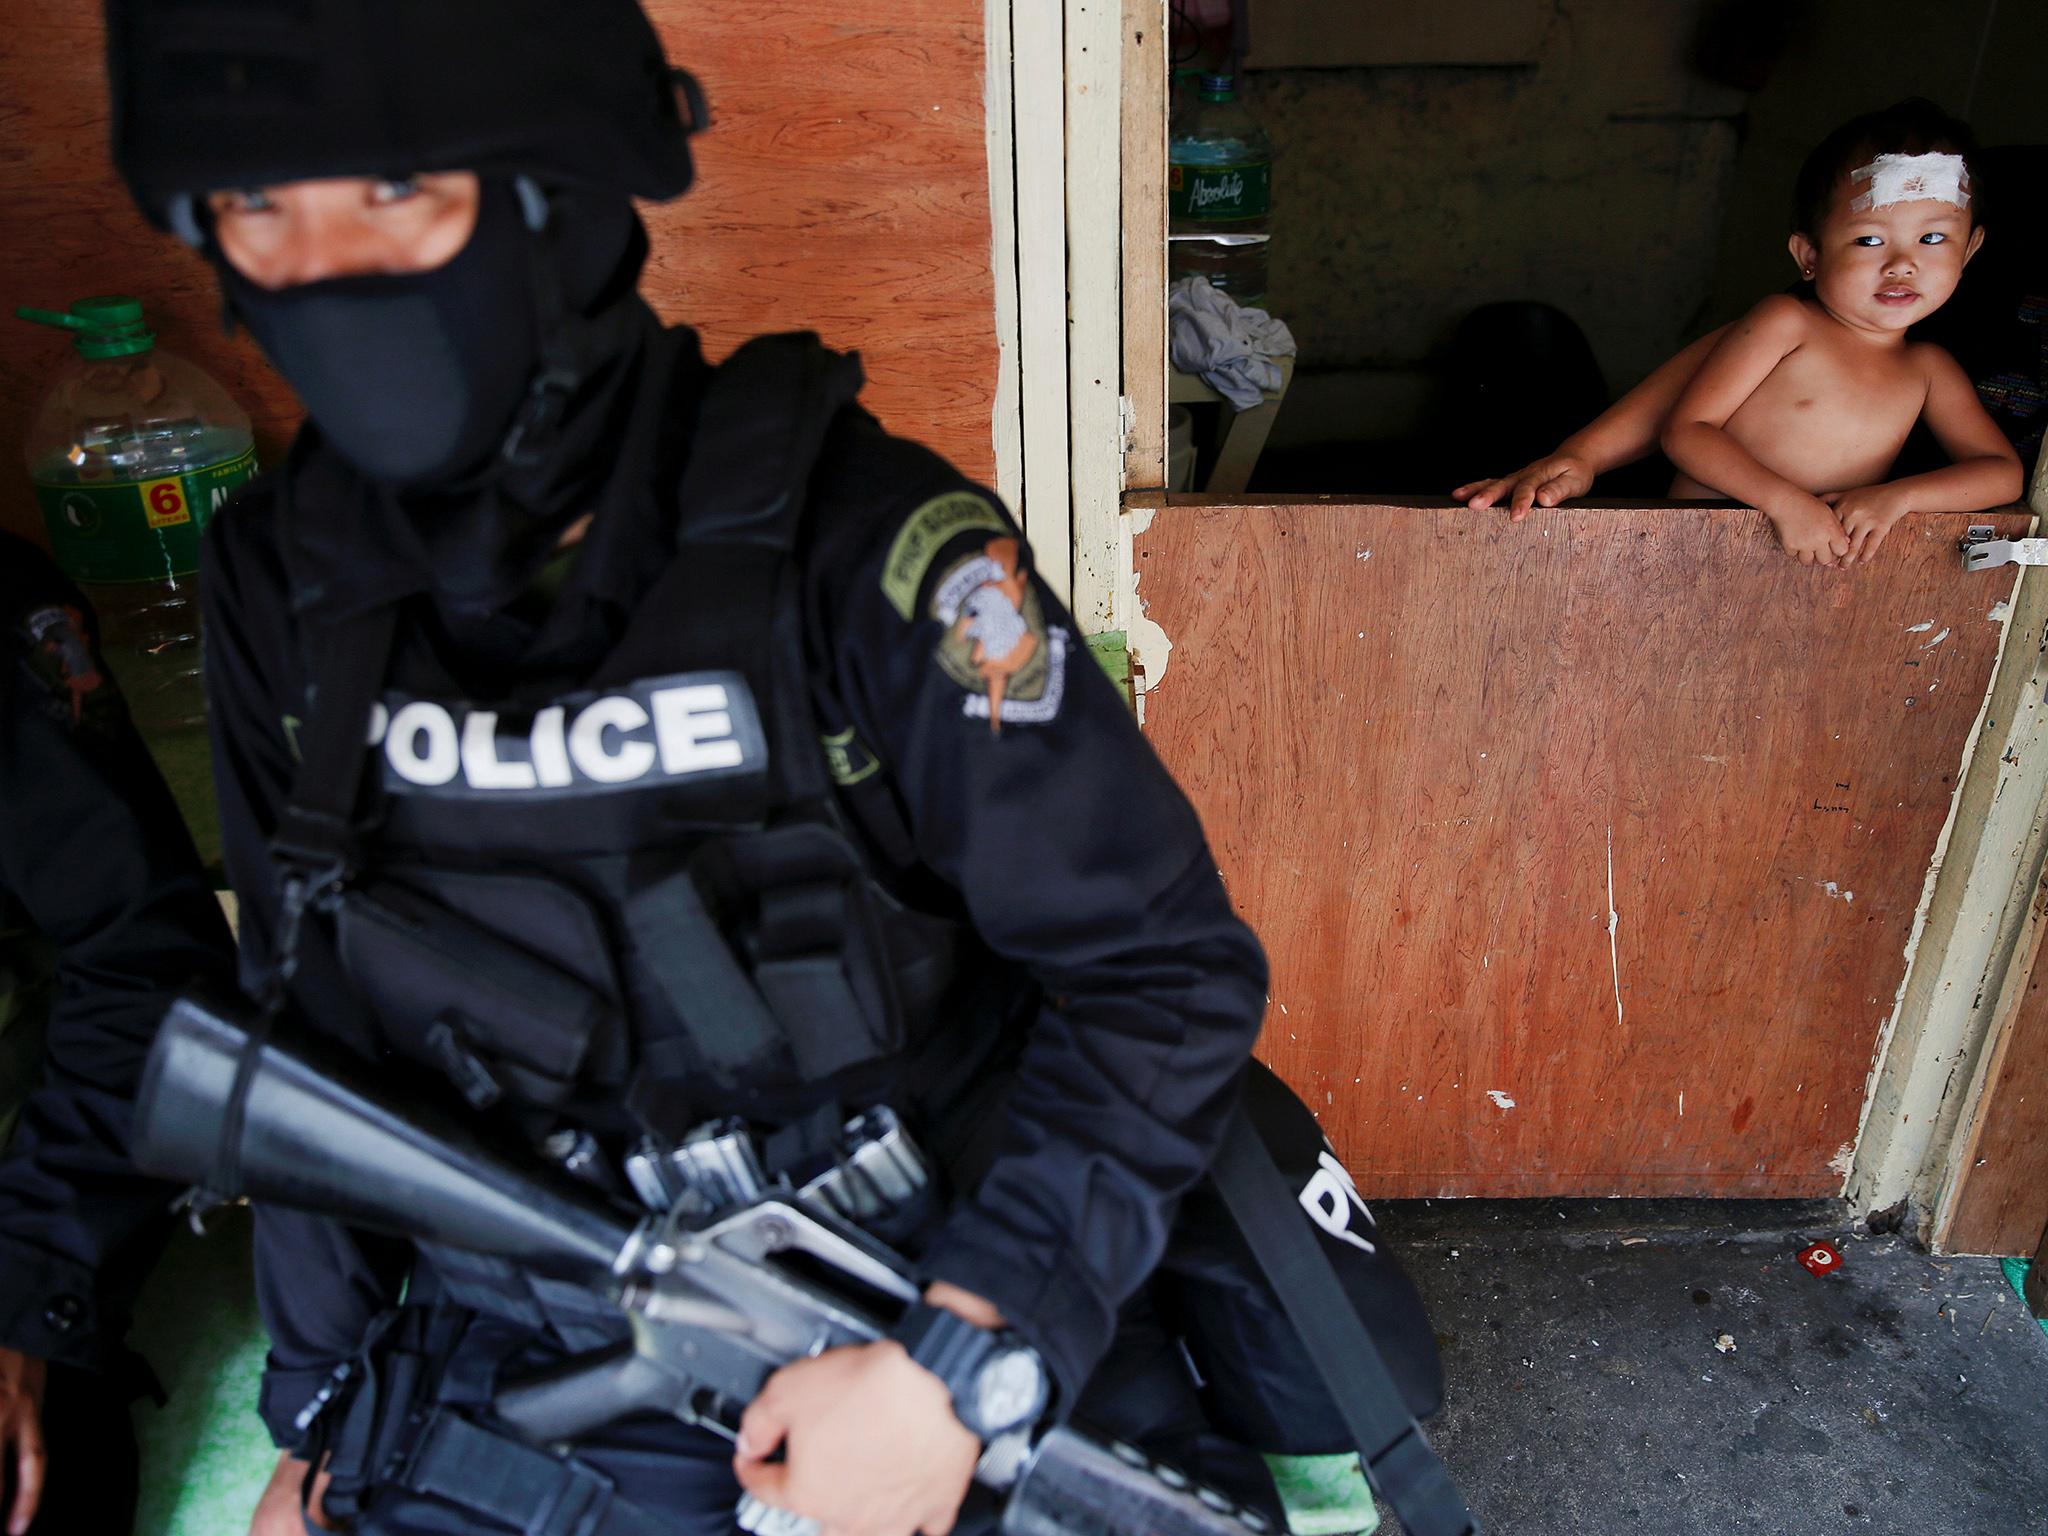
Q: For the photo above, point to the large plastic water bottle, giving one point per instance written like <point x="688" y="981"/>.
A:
<point x="132" y="452"/>
<point x="1219" y="192"/>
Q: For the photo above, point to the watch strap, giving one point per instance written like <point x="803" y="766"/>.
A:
<point x="946" y="1344"/>
<point x="960" y="1353"/>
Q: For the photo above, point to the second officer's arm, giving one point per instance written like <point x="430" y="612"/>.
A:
<point x="92" y="846"/>
<point x="93" y="850"/>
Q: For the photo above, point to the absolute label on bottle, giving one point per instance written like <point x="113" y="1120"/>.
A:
<point x="1219" y="192"/>
<point x="136" y="530"/>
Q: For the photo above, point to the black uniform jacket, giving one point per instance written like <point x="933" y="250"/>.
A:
<point x="94" y="854"/>
<point x="992" y="771"/>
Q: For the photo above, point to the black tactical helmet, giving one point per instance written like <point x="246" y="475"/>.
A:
<point x="211" y="94"/>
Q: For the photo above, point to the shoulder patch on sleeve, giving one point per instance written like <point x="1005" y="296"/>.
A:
<point x="923" y="534"/>
<point x="58" y="650"/>
<point x="997" y="645"/>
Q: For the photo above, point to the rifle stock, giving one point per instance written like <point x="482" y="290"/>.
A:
<point x="318" y="1133"/>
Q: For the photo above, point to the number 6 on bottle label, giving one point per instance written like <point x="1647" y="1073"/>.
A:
<point x="163" y="502"/>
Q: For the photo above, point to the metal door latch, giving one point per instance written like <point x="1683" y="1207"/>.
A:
<point x="1983" y="549"/>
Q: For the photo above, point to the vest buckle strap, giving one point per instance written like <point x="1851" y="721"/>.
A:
<point x="536" y="1493"/>
<point x="803" y="920"/>
<point x="312" y="839"/>
<point x="315" y="844"/>
<point x="577" y="1506"/>
<point x="313" y="853"/>
<point x="299" y="892"/>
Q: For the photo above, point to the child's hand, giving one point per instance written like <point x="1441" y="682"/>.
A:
<point x="1866" y="515"/>
<point x="1811" y="533"/>
<point x="1543" y="483"/>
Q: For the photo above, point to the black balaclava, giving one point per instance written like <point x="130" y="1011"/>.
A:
<point x="413" y="379"/>
<point x="459" y="418"/>
<point x="527" y="409"/>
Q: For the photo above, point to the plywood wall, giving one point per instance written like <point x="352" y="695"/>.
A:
<point x="844" y="188"/>
<point x="1586" y="850"/>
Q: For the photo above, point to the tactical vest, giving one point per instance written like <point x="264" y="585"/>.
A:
<point x="617" y="911"/>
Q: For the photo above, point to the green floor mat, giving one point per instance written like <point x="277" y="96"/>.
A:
<point x="1324" y="1495"/>
<point x="2016" y="1272"/>
<point x="205" y="1456"/>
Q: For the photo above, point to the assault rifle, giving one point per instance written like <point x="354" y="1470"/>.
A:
<point x="718" y="1293"/>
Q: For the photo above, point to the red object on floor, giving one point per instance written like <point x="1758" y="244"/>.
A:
<point x="1820" y="1259"/>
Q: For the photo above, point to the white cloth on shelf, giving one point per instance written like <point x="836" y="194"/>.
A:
<point x="1235" y="350"/>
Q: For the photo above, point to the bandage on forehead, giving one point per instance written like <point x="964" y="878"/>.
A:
<point x="1892" y="179"/>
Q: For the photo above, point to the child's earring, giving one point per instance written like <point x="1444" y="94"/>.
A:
<point x="1807" y="273"/>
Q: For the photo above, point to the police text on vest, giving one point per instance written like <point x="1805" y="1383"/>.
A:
<point x="700" y="724"/>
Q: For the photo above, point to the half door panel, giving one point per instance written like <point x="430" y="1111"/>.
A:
<point x="1586" y="850"/>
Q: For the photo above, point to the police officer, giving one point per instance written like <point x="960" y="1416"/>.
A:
<point x="103" y="914"/>
<point x="743" y="729"/>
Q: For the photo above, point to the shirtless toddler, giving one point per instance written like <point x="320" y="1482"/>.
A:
<point x="1801" y="406"/>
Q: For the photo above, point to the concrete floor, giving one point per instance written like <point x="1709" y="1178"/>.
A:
<point x="1900" y="1393"/>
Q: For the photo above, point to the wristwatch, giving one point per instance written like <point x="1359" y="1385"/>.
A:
<point x="996" y="1380"/>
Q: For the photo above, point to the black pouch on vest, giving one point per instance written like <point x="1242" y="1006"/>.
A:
<point x="1260" y="1385"/>
<point x="815" y="948"/>
<point x="767" y="947"/>
<point x="533" y="1019"/>
<point x="364" y="1428"/>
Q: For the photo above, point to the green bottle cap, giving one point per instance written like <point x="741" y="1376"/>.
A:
<point x="108" y="326"/>
<point x="1218" y="87"/>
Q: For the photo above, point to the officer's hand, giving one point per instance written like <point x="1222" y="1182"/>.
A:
<point x="869" y="1440"/>
<point x="277" y="1512"/>
<point x="21" y="1433"/>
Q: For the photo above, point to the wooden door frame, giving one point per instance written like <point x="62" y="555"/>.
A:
<point x="1980" y="1099"/>
<point x="1929" y="1069"/>
<point x="1967" y="941"/>
<point x="1144" y="42"/>
<point x="1055" y="97"/>
<point x="1972" y="1033"/>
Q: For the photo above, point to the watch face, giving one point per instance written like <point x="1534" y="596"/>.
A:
<point x="1010" y="1391"/>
